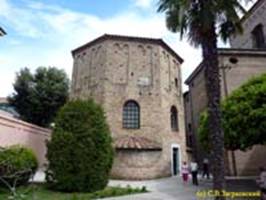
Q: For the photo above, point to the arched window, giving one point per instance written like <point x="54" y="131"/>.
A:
<point x="174" y="118"/>
<point x="258" y="37"/>
<point x="131" y="115"/>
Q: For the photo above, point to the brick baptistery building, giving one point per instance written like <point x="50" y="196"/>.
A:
<point x="138" y="83"/>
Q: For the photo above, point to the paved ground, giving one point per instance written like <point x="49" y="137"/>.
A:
<point x="172" y="188"/>
<point x="162" y="189"/>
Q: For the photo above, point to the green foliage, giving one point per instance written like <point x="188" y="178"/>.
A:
<point x="80" y="152"/>
<point x="17" y="165"/>
<point x="244" y="113"/>
<point x="38" y="96"/>
<point x="203" y="131"/>
<point x="39" y="192"/>
<point x="116" y="191"/>
<point x="243" y="117"/>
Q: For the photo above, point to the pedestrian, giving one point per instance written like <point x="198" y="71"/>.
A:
<point x="194" y="173"/>
<point x="185" y="172"/>
<point x="261" y="181"/>
<point x="206" y="168"/>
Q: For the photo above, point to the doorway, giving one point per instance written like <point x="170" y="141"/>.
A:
<point x="175" y="161"/>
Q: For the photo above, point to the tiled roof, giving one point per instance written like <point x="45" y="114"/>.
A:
<point x="136" y="143"/>
<point x="129" y="38"/>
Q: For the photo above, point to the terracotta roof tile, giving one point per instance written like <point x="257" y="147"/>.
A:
<point x="136" y="142"/>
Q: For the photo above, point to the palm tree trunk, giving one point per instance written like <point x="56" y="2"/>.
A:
<point x="212" y="83"/>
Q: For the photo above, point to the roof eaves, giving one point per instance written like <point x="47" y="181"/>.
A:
<point x="101" y="38"/>
<point x="131" y="38"/>
<point x="194" y="73"/>
<point x="228" y="51"/>
<point x="244" y="52"/>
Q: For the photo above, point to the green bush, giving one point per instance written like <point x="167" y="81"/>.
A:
<point x="17" y="165"/>
<point x="80" y="152"/>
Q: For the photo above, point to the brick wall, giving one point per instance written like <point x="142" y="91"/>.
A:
<point x="111" y="71"/>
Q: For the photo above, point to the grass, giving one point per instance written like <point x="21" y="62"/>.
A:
<point x="40" y="192"/>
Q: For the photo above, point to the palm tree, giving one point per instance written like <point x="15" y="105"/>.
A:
<point x="203" y="21"/>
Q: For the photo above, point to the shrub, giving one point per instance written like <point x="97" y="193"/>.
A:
<point x="80" y="152"/>
<point x="17" y="165"/>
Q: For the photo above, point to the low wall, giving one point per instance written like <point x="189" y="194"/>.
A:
<point x="248" y="162"/>
<point x="14" y="131"/>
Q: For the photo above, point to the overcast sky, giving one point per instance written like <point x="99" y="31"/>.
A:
<point x="43" y="33"/>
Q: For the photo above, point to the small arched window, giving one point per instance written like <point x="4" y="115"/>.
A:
<point x="131" y="115"/>
<point x="258" y="37"/>
<point x="174" y="118"/>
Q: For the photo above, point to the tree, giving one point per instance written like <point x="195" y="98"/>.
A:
<point x="80" y="152"/>
<point x="38" y="96"/>
<point x="231" y="141"/>
<point x="203" y="132"/>
<point x="18" y="165"/>
<point x="204" y="21"/>
<point x="243" y="117"/>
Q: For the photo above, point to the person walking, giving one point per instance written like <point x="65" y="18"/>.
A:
<point x="185" y="172"/>
<point x="206" y="168"/>
<point x="261" y="181"/>
<point x="194" y="173"/>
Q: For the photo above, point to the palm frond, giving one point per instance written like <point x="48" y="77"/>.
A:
<point x="195" y="17"/>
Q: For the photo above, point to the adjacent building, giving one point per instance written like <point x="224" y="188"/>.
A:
<point x="244" y="60"/>
<point x="138" y="83"/>
<point x="254" y="29"/>
<point x="5" y="106"/>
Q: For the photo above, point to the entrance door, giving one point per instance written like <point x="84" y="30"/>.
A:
<point x="175" y="161"/>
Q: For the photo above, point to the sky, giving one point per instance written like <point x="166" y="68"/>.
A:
<point x="43" y="32"/>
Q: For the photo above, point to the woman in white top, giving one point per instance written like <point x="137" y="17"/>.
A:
<point x="194" y="173"/>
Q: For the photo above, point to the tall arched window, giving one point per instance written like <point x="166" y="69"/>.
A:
<point x="174" y="118"/>
<point x="258" y="37"/>
<point x="131" y="115"/>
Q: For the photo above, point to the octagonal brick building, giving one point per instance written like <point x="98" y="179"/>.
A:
<point x="138" y="83"/>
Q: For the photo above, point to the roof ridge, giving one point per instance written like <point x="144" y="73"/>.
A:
<point x="130" y="36"/>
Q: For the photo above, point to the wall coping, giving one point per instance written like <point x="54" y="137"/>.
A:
<point x="4" y="116"/>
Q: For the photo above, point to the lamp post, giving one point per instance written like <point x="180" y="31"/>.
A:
<point x="233" y="61"/>
<point x="2" y="32"/>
